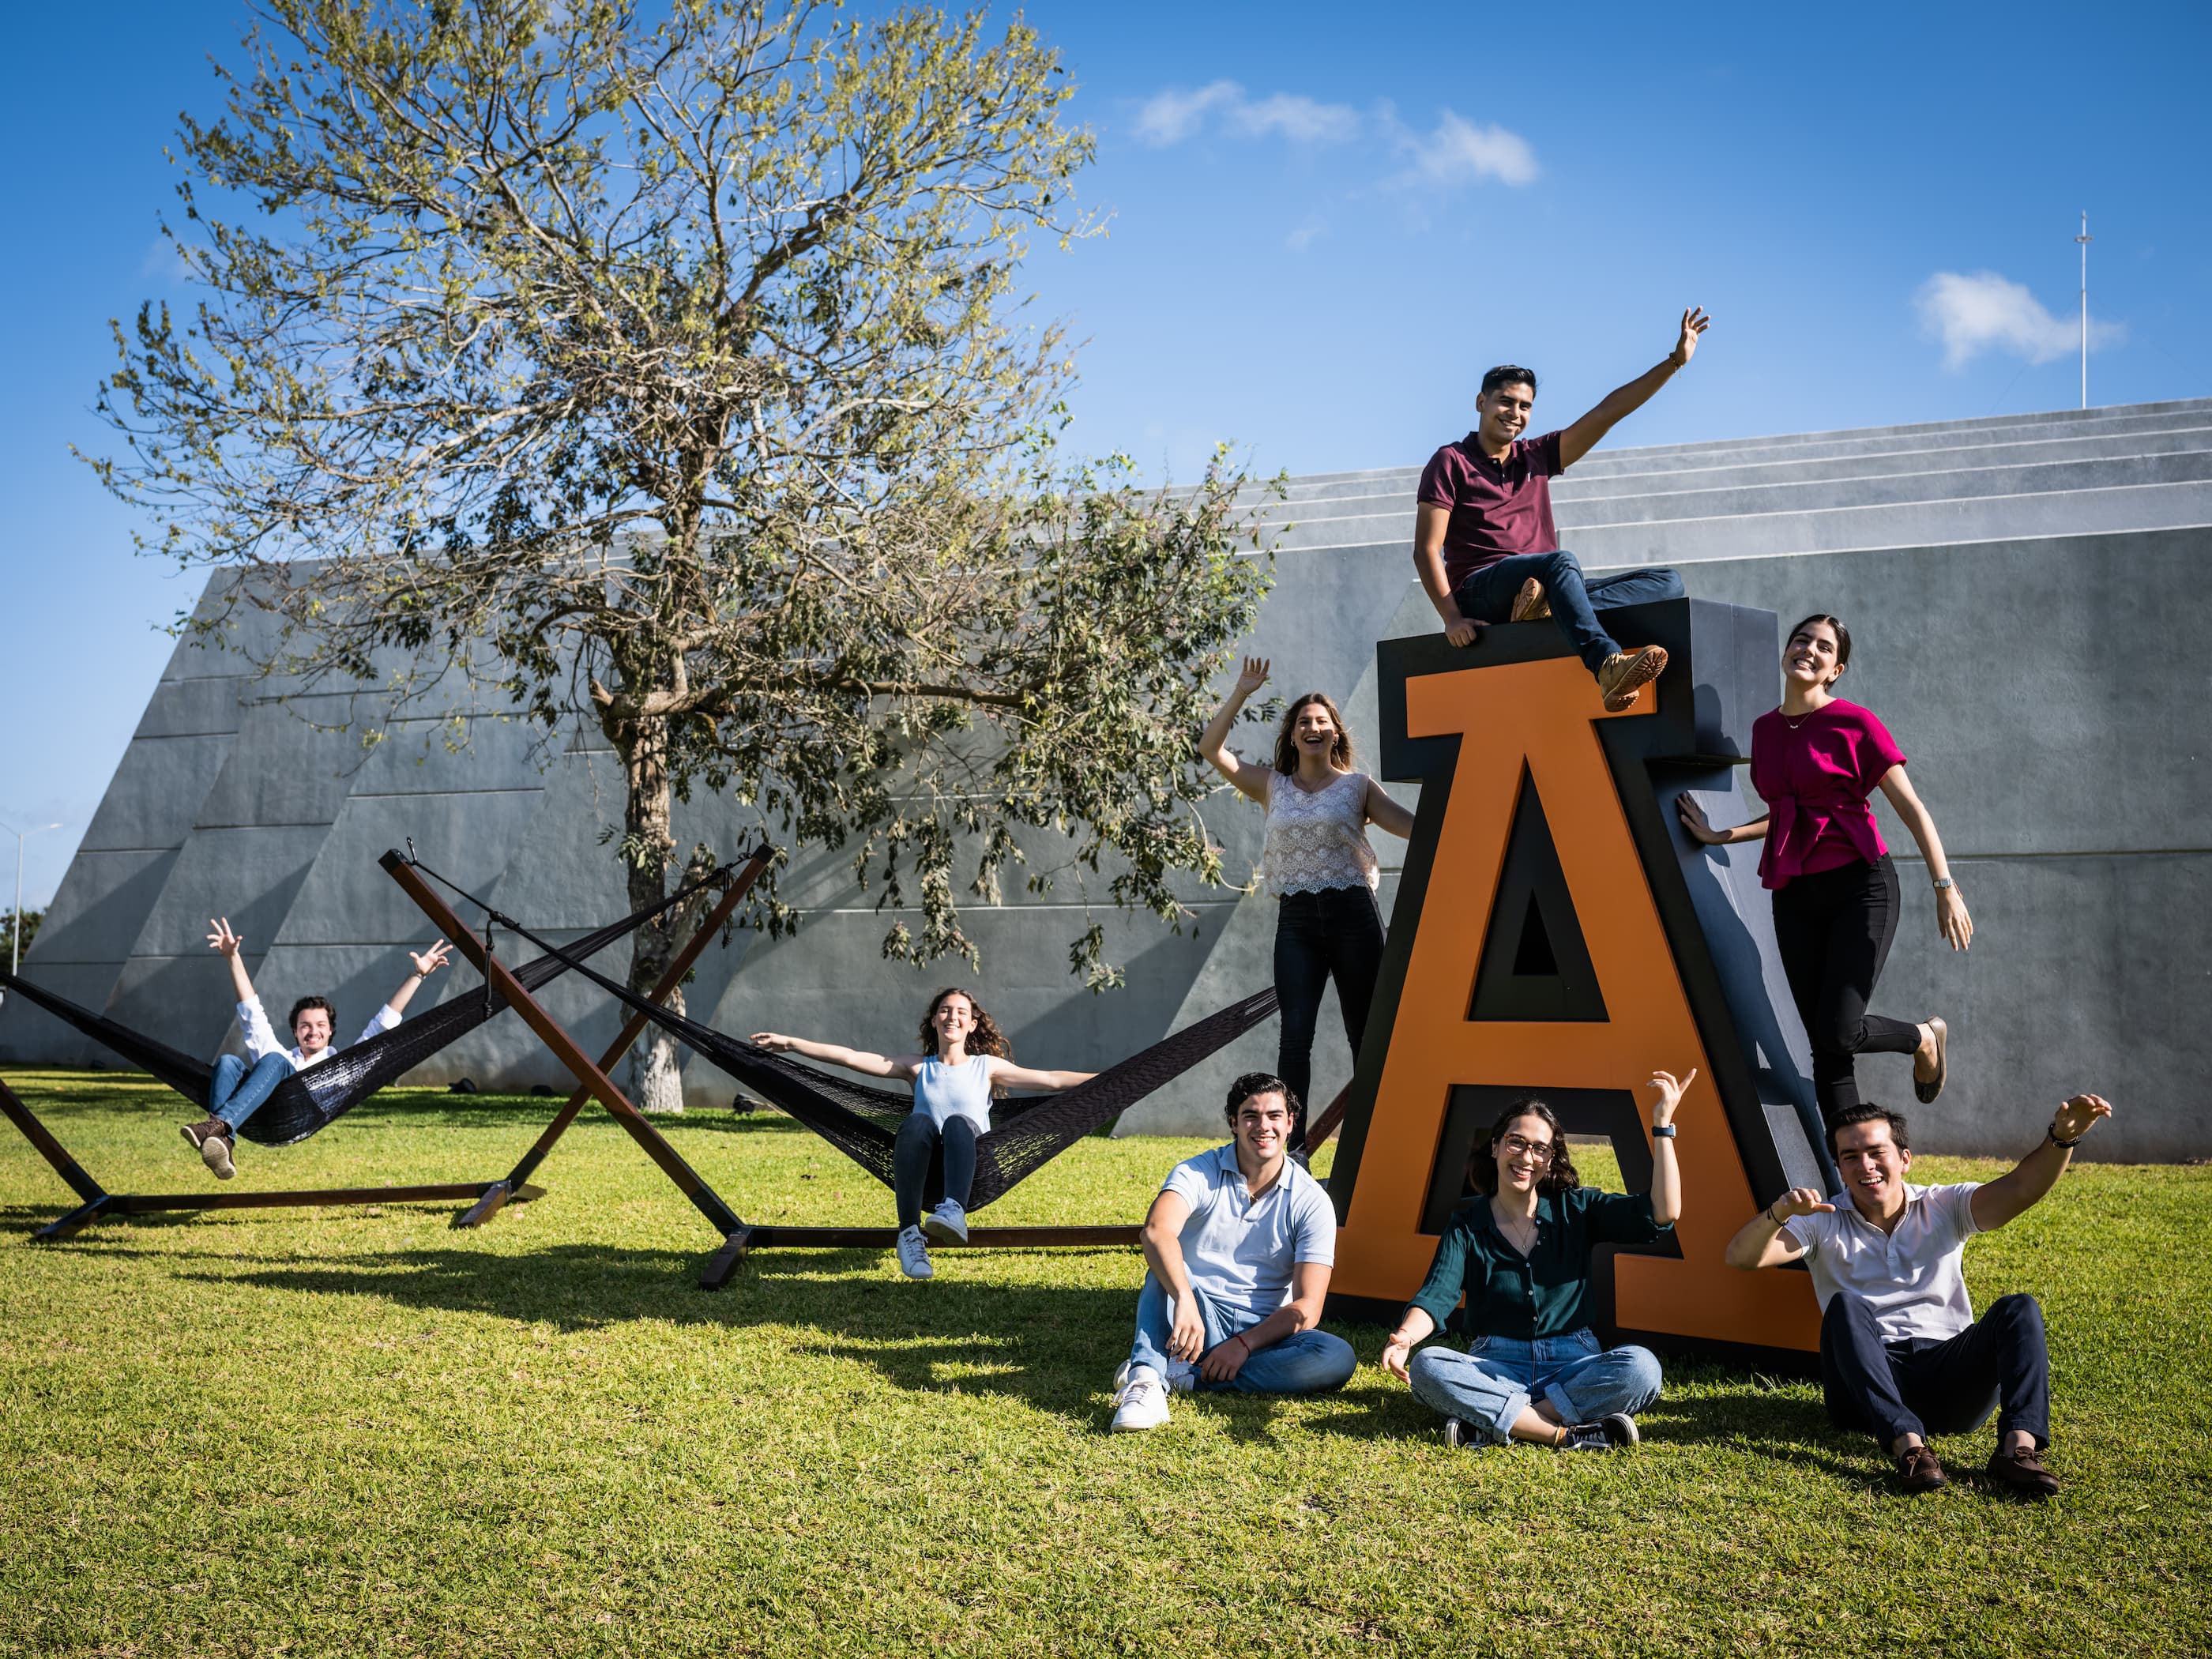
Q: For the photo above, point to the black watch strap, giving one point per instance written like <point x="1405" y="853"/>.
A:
<point x="2067" y="1145"/>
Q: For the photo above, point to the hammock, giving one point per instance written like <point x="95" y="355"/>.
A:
<point x="311" y="1099"/>
<point x="862" y="1122"/>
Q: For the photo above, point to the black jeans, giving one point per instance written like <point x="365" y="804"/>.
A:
<point x="1336" y="930"/>
<point x="1834" y="930"/>
<point x="1487" y="596"/>
<point x="919" y="1139"/>
<point x="1925" y="1387"/>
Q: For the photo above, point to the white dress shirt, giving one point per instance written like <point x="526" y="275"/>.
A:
<point x="261" y="1037"/>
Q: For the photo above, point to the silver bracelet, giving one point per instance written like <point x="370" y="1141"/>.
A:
<point x="1941" y="882"/>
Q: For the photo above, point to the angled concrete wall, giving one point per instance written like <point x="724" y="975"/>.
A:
<point x="2024" y="595"/>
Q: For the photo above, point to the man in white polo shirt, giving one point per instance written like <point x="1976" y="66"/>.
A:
<point x="1240" y="1243"/>
<point x="1901" y="1352"/>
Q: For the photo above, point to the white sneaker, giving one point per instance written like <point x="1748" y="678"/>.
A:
<point x="1140" y="1403"/>
<point x="1181" y="1376"/>
<point x="914" y="1255"/>
<point x="947" y="1224"/>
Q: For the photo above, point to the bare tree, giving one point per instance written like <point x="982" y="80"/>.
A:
<point x="666" y="373"/>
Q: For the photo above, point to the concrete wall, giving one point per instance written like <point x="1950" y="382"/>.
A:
<point x="2022" y="591"/>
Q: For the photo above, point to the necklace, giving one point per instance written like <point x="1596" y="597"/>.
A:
<point x="1801" y="719"/>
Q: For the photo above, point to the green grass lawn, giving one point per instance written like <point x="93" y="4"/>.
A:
<point x="360" y="1431"/>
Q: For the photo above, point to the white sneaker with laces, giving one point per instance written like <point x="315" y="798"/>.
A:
<point x="1141" y="1403"/>
<point x="1181" y="1376"/>
<point x="914" y="1255"/>
<point x="947" y="1224"/>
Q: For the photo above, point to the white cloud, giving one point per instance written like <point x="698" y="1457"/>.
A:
<point x="1305" y="236"/>
<point x="1458" y="152"/>
<point x="1169" y="117"/>
<point x="1985" y="312"/>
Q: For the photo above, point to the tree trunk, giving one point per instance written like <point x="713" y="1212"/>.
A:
<point x="656" y="1081"/>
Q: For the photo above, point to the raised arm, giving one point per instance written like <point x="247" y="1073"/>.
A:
<point x="1578" y="439"/>
<point x="1028" y="1077"/>
<point x="1213" y="743"/>
<point x="1695" y="821"/>
<point x="427" y="963"/>
<point x="902" y="1067"/>
<point x="229" y="944"/>
<point x="1951" y="918"/>
<point x="1386" y="814"/>
<point x="1760" y="1242"/>
<point x="2021" y="1187"/>
<point x="1666" y="1173"/>
<point x="1430" y="522"/>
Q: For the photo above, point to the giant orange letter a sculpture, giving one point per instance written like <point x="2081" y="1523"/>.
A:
<point x="1555" y="935"/>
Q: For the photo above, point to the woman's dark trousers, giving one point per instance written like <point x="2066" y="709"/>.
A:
<point x="1834" y="930"/>
<point x="918" y="1140"/>
<point x="1336" y="932"/>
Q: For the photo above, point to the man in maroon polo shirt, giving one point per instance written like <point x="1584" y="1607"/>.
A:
<point x="1483" y="540"/>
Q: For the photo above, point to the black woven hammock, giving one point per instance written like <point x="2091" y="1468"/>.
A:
<point x="1028" y="1131"/>
<point x="310" y="1099"/>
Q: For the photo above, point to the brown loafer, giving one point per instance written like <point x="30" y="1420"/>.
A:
<point x="1625" y="673"/>
<point x="1919" y="1471"/>
<point x="1925" y="1093"/>
<point x="1529" y="605"/>
<point x="2021" y="1473"/>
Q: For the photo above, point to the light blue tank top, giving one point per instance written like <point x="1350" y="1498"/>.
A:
<point x="950" y="1092"/>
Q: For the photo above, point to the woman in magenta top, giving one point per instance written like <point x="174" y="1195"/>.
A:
<point x="1814" y="761"/>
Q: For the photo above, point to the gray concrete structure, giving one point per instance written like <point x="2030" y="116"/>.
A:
<point x="2022" y="592"/>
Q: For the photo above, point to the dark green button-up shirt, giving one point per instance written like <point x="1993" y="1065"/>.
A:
<point x="1545" y="1293"/>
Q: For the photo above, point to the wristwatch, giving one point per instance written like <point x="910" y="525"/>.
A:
<point x="1941" y="882"/>
<point x="2067" y="1145"/>
<point x="1662" y="1131"/>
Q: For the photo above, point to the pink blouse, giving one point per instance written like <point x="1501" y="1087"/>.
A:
<point x="1815" y="773"/>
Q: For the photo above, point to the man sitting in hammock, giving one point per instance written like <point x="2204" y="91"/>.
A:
<point x="1241" y="1242"/>
<point x="241" y="1085"/>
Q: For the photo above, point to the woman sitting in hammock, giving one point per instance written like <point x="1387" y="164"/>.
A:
<point x="241" y="1085"/>
<point x="965" y="1061"/>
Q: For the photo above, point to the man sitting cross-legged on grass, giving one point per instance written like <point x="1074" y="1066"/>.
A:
<point x="241" y="1085"/>
<point x="1240" y="1243"/>
<point x="1519" y="1252"/>
<point x="1901" y="1352"/>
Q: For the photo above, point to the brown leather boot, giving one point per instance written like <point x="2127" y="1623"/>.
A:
<point x="1625" y="673"/>
<point x="1529" y="605"/>
<point x="212" y="1139"/>
<point x="2021" y="1473"/>
<point x="1917" y="1467"/>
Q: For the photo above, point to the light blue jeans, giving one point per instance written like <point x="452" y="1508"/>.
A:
<point x="238" y="1093"/>
<point x="1499" y="1377"/>
<point x="1310" y="1362"/>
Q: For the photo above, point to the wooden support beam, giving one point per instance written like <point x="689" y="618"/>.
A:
<point x="586" y="1071"/>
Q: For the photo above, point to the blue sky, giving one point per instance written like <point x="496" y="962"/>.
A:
<point x="1321" y="227"/>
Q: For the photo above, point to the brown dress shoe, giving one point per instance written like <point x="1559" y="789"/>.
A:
<point x="1919" y="1470"/>
<point x="2021" y="1473"/>
<point x="1529" y="605"/>
<point x="1625" y="673"/>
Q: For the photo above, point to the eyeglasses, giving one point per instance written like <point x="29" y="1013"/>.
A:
<point x="1516" y="1146"/>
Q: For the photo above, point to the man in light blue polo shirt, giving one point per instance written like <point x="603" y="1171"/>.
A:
<point x="1240" y="1243"/>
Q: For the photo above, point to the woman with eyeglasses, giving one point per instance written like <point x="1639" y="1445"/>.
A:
<point x="1519" y="1252"/>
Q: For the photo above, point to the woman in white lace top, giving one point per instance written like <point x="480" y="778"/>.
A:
<point x="1318" y="866"/>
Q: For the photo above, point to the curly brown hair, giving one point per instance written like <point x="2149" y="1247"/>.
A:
<point x="1340" y="755"/>
<point x="986" y="1039"/>
<point x="1482" y="1167"/>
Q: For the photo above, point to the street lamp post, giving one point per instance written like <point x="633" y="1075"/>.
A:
<point x="15" y="917"/>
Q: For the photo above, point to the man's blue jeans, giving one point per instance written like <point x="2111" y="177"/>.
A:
<point x="1499" y="1377"/>
<point x="238" y="1092"/>
<point x="1487" y="596"/>
<point x="1310" y="1362"/>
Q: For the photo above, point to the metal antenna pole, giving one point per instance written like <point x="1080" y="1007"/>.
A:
<point x="2084" y="239"/>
